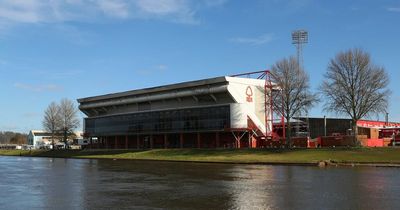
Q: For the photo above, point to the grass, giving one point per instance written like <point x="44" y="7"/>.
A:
<point x="294" y="156"/>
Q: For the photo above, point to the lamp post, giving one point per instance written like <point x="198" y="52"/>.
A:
<point x="387" y="119"/>
<point x="324" y="125"/>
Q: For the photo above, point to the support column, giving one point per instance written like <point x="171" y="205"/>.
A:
<point x="216" y="139"/>
<point x="181" y="140"/>
<point x="99" y="139"/>
<point x="115" y="142"/>
<point x="106" y="142"/>
<point x="238" y="138"/>
<point x="250" y="141"/>
<point x="165" y="141"/>
<point x="151" y="142"/>
<point x="96" y="144"/>
<point x="137" y="142"/>
<point x="198" y="140"/>
<point x="126" y="142"/>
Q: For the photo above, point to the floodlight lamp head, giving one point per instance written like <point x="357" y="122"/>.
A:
<point x="299" y="37"/>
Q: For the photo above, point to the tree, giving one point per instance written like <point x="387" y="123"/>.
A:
<point x="52" y="120"/>
<point x="6" y="136"/>
<point x="19" y="139"/>
<point x="69" y="119"/>
<point x="354" y="86"/>
<point x="12" y="137"/>
<point x="295" y="97"/>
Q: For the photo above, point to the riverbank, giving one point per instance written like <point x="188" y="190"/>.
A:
<point x="340" y="156"/>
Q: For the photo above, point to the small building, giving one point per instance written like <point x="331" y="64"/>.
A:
<point x="40" y="139"/>
<point x="43" y="140"/>
<point x="371" y="133"/>
<point x="327" y="126"/>
<point x="343" y="126"/>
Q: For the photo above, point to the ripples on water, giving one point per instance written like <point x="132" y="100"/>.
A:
<point x="45" y="183"/>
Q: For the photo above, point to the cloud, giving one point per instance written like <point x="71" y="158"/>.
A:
<point x="214" y="3"/>
<point x="260" y="40"/>
<point x="74" y="35"/>
<point x="25" y="11"/>
<point x="175" y="10"/>
<point x="393" y="9"/>
<point x="114" y="8"/>
<point x="161" y="7"/>
<point x="39" y="88"/>
<point x="64" y="74"/>
<point x="31" y="115"/>
<point x="161" y="68"/>
<point x="53" y="11"/>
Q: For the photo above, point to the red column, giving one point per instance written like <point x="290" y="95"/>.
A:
<point x="126" y="142"/>
<point x="165" y="141"/>
<point x="198" y="140"/>
<point x="115" y="142"/>
<point x="250" y="141"/>
<point x="137" y="142"/>
<point x="216" y="139"/>
<point x="181" y="140"/>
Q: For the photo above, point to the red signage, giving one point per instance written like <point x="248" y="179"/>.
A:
<point x="249" y="94"/>
<point x="372" y="124"/>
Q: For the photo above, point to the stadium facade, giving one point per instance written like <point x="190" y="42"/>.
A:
<point x="221" y="112"/>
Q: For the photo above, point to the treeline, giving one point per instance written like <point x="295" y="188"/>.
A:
<point x="9" y="137"/>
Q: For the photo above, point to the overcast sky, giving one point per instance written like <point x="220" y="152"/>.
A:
<point x="53" y="49"/>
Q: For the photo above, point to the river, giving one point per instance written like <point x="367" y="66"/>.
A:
<point x="56" y="183"/>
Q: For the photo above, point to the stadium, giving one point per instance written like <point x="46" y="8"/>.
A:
<point x="220" y="112"/>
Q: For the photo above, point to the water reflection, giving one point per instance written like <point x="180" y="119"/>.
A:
<point x="45" y="183"/>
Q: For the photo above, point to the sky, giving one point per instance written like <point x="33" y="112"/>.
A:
<point x="54" y="49"/>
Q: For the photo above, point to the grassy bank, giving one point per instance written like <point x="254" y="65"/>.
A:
<point x="295" y="156"/>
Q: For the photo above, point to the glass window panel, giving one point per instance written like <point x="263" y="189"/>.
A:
<point x="194" y="119"/>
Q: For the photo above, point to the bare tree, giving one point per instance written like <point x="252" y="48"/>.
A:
<point x="295" y="97"/>
<point x="52" y="120"/>
<point x="19" y="139"/>
<point x="354" y="86"/>
<point x="12" y="137"/>
<point x="69" y="119"/>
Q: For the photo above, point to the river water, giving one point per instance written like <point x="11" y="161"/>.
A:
<point x="52" y="183"/>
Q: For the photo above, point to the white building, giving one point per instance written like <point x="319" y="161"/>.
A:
<point x="43" y="140"/>
<point x="38" y="138"/>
